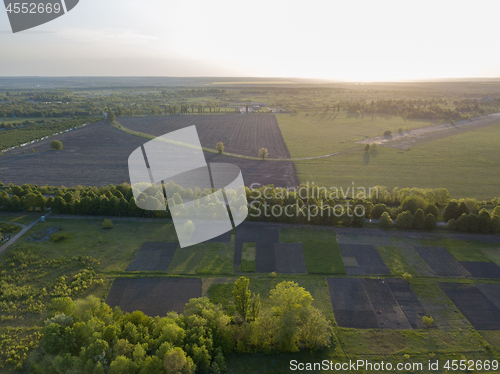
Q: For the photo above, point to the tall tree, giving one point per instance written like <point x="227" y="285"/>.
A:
<point x="241" y="296"/>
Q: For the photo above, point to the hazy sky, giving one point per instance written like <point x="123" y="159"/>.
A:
<point x="342" y="40"/>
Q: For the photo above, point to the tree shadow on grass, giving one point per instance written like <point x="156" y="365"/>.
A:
<point x="366" y="158"/>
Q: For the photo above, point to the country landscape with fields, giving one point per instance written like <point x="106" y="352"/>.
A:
<point x="212" y="188"/>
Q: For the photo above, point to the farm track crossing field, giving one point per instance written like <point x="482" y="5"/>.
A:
<point x="153" y="296"/>
<point x="98" y="154"/>
<point x="241" y="134"/>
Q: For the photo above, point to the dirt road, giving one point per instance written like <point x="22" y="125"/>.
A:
<point x="406" y="139"/>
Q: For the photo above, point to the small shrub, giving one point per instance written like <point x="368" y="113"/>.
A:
<point x="273" y="274"/>
<point x="407" y="277"/>
<point x="451" y="225"/>
<point x="428" y="321"/>
<point x="263" y="153"/>
<point x="387" y="132"/>
<point x="107" y="224"/>
<point x="366" y="147"/>
<point x="220" y="147"/>
<point x="400" y="129"/>
<point x="56" y="145"/>
<point x="59" y="238"/>
<point x="373" y="145"/>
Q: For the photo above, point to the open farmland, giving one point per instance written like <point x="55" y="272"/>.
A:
<point x="241" y="134"/>
<point x="466" y="164"/>
<point x="98" y="154"/>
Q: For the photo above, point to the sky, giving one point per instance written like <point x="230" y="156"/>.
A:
<point x="328" y="39"/>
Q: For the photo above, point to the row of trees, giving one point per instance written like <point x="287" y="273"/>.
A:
<point x="267" y="204"/>
<point x="87" y="336"/>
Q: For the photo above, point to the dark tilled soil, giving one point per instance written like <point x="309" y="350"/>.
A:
<point x="265" y="256"/>
<point x="241" y="134"/>
<point x="97" y="155"/>
<point x="480" y="311"/>
<point x="387" y="311"/>
<point x="350" y="303"/>
<point x="442" y="262"/>
<point x="153" y="296"/>
<point x="408" y="301"/>
<point x="482" y="269"/>
<point x="153" y="256"/>
<point x="290" y="258"/>
<point x="367" y="257"/>
<point x="491" y="291"/>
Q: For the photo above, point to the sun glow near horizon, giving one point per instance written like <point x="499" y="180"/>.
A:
<point x="348" y="41"/>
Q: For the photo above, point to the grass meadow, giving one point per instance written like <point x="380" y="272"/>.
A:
<point x="467" y="165"/>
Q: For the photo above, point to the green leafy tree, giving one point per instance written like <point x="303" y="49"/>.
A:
<point x="377" y="210"/>
<point x="385" y="221"/>
<point x="430" y="222"/>
<point x="263" y="153"/>
<point x="123" y="365"/>
<point x="56" y="145"/>
<point x="289" y="296"/>
<point x="111" y="116"/>
<point x="419" y="220"/>
<point x="176" y="362"/>
<point x="484" y="221"/>
<point x="404" y="220"/>
<point x="432" y="209"/>
<point x="255" y="306"/>
<point x="242" y="297"/>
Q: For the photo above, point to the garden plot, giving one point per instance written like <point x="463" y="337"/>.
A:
<point x="408" y="301"/>
<point x="290" y="258"/>
<point x="153" y="296"/>
<point x="364" y="239"/>
<point x="482" y="269"/>
<point x="265" y="257"/>
<point x="366" y="257"/>
<point x="442" y="262"/>
<point x="491" y="291"/>
<point x="350" y="304"/>
<point x="479" y="310"/>
<point x="153" y="256"/>
<point x="387" y="311"/>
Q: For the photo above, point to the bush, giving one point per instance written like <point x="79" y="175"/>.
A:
<point x="430" y="222"/>
<point x="385" y="221"/>
<point x="400" y="129"/>
<point x="387" y="132"/>
<point x="452" y="224"/>
<point x="428" y="321"/>
<point x="407" y="277"/>
<point x="484" y="221"/>
<point x="107" y="224"/>
<point x="263" y="153"/>
<point x="472" y="223"/>
<point x="56" y="145"/>
<point x="404" y="220"/>
<point x="419" y="220"/>
<point x="273" y="274"/>
<point x="220" y="147"/>
<point x="432" y="209"/>
<point x="377" y="210"/>
<point x="373" y="145"/>
<point x="366" y="147"/>
<point x="412" y="203"/>
<point x="461" y="225"/>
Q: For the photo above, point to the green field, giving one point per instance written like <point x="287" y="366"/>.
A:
<point x="466" y="164"/>
<point x="321" y="250"/>
<point x="451" y="338"/>
<point x="310" y="134"/>
<point x="248" y="257"/>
